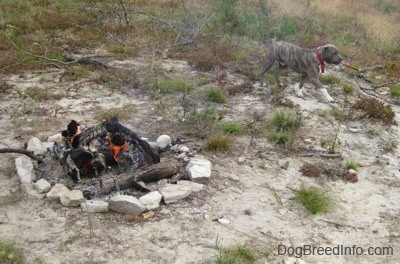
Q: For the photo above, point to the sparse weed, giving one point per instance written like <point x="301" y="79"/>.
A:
<point x="285" y="128"/>
<point x="218" y="143"/>
<point x="395" y="90"/>
<point x="351" y="165"/>
<point x="232" y="128"/>
<point x="171" y="85"/>
<point x="279" y="138"/>
<point x="277" y="197"/>
<point x="202" y="123"/>
<point x="10" y="253"/>
<point x="76" y="72"/>
<point x="314" y="199"/>
<point x="348" y="88"/>
<point x="338" y="114"/>
<point x="330" y="79"/>
<point x="215" y="95"/>
<point x="236" y="254"/>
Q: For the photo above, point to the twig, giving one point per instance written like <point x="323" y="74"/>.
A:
<point x="21" y="151"/>
<point x="343" y="225"/>
<point x="125" y="13"/>
<point x="38" y="56"/>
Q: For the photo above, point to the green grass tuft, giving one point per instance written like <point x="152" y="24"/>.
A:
<point x="348" y="88"/>
<point x="314" y="199"/>
<point x="351" y="165"/>
<point x="395" y="90"/>
<point x="169" y="86"/>
<point x="10" y="253"/>
<point x="215" y="95"/>
<point x="232" y="128"/>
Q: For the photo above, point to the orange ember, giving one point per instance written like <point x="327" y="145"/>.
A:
<point x="116" y="149"/>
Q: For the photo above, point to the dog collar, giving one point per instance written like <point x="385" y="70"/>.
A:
<point x="320" y="60"/>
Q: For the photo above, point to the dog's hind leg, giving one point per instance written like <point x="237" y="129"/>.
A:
<point x="281" y="67"/>
<point x="299" y="89"/>
<point x="266" y="67"/>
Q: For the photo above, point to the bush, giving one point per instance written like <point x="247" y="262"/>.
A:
<point x="218" y="143"/>
<point x="373" y="108"/>
<point x="232" y="128"/>
<point x="395" y="90"/>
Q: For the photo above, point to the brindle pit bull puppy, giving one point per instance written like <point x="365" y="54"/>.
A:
<point x="307" y="62"/>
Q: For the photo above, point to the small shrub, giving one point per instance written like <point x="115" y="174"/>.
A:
<point x="338" y="114"/>
<point x="10" y="253"/>
<point x="351" y="165"/>
<point x="310" y="170"/>
<point x="41" y="94"/>
<point x="373" y="108"/>
<point x="218" y="143"/>
<point x="215" y="95"/>
<point x="314" y="199"/>
<point x="285" y="127"/>
<point x="283" y="122"/>
<point x="232" y="128"/>
<point x="171" y="85"/>
<point x="202" y="123"/>
<point x="395" y="90"/>
<point x="75" y="72"/>
<point x="236" y="254"/>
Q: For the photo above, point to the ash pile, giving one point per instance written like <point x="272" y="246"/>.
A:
<point x="109" y="167"/>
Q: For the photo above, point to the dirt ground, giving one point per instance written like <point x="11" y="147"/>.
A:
<point x="365" y="213"/>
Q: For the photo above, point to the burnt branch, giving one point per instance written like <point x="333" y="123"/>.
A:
<point x="21" y="151"/>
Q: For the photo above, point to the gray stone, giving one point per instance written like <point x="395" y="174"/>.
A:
<point x="25" y="171"/>
<point x="151" y="200"/>
<point x="199" y="170"/>
<point x="35" y="145"/>
<point x="164" y="141"/>
<point x="284" y="165"/>
<point x="72" y="198"/>
<point x="55" y="193"/>
<point x="95" y="206"/>
<point x="126" y="204"/>
<point x="36" y="195"/>
<point x="241" y="160"/>
<point x="196" y="187"/>
<point x="172" y="193"/>
<point x="42" y="186"/>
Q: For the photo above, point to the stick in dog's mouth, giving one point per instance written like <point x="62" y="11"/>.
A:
<point x="351" y="67"/>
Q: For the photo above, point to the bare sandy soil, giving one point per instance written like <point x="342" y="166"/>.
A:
<point x="365" y="213"/>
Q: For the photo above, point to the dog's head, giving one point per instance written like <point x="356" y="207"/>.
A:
<point x="330" y="54"/>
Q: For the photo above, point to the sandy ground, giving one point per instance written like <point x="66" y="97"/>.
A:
<point x="365" y="214"/>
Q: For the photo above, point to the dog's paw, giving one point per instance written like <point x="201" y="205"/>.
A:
<point x="325" y="93"/>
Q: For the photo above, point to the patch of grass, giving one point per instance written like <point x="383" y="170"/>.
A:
<point x="216" y="95"/>
<point x="330" y="79"/>
<point x="395" y="90"/>
<point x="314" y="199"/>
<point x="202" y="123"/>
<point x="236" y="254"/>
<point x="351" y="165"/>
<point x="10" y="253"/>
<point x="171" y="85"/>
<point x="232" y="128"/>
<point x="276" y="90"/>
<point x="76" y="72"/>
<point x="285" y="127"/>
<point x="218" y="143"/>
<point x="277" y="197"/>
<point x="279" y="138"/>
<point x="41" y="94"/>
<point x="337" y="113"/>
<point x="373" y="108"/>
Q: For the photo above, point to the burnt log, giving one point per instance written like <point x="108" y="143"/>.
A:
<point x="152" y="173"/>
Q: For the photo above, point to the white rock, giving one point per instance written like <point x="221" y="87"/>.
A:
<point x="56" y="138"/>
<point x="95" y="206"/>
<point x="72" y="198"/>
<point x="25" y="169"/>
<point x="241" y="160"/>
<point x="55" y="193"/>
<point x="196" y="187"/>
<point x="224" y="221"/>
<point x="126" y="204"/>
<point x="48" y="145"/>
<point x="164" y="141"/>
<point x="172" y="193"/>
<point x="42" y="186"/>
<point x="35" y="145"/>
<point x="199" y="170"/>
<point x="151" y="200"/>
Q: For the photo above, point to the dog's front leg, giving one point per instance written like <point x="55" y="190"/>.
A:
<point x="322" y="90"/>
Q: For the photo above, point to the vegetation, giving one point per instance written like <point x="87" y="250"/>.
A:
<point x="314" y="199"/>
<point x="374" y="108"/>
<point x="284" y="128"/>
<point x="10" y="253"/>
<point x="215" y="95"/>
<point x="232" y="128"/>
<point x="351" y="165"/>
<point x="171" y="85"/>
<point x="218" y="143"/>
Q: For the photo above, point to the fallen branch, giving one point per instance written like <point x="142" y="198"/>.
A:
<point x="372" y="68"/>
<point x="124" y="181"/>
<point x="86" y="60"/>
<point x="21" y="151"/>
